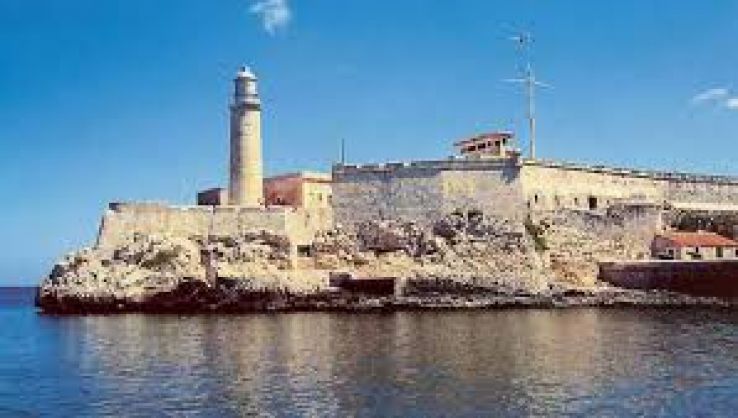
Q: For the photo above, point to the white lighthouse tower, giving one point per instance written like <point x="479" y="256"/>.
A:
<point x="246" y="171"/>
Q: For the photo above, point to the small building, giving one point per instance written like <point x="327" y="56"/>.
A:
<point x="699" y="245"/>
<point x="300" y="190"/>
<point x="493" y="144"/>
<point x="303" y="189"/>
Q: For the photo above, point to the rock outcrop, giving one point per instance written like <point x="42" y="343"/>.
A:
<point x="463" y="247"/>
<point x="463" y="253"/>
<point x="152" y="265"/>
<point x="574" y="242"/>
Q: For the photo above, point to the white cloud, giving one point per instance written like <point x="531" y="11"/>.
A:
<point x="732" y="103"/>
<point x="711" y="95"/>
<point x="274" y="14"/>
<point x="719" y="96"/>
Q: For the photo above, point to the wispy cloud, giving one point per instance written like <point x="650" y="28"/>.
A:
<point x="720" y="96"/>
<point x="711" y="95"/>
<point x="274" y="14"/>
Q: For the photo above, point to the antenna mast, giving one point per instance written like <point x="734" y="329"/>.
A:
<point x="343" y="151"/>
<point x="523" y="41"/>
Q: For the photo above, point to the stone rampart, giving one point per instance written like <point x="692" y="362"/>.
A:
<point x="552" y="185"/>
<point x="122" y="220"/>
<point x="426" y="190"/>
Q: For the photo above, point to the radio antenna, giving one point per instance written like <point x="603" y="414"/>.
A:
<point x="523" y="42"/>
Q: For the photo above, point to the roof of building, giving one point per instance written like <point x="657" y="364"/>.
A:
<point x="304" y="175"/>
<point x="484" y="137"/>
<point x="699" y="239"/>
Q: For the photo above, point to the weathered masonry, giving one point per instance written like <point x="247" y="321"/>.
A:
<point x="426" y="190"/>
<point x="122" y="221"/>
<point x="511" y="187"/>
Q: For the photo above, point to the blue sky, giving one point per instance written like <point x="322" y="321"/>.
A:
<point x="106" y="100"/>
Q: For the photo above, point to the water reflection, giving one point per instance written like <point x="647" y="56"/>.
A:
<point x="609" y="362"/>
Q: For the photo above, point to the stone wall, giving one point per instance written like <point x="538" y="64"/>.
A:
<point x="702" y="193"/>
<point x="122" y="220"/>
<point x="426" y="191"/>
<point x="701" y="278"/>
<point x="553" y="185"/>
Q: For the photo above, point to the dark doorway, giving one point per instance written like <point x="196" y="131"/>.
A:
<point x="592" y="202"/>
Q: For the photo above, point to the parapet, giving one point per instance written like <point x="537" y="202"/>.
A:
<point x="151" y="207"/>
<point x="123" y="220"/>
<point x="304" y="175"/>
<point x="635" y="173"/>
<point x="456" y="164"/>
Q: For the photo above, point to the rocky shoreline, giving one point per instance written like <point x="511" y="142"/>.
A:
<point x="466" y="260"/>
<point x="198" y="298"/>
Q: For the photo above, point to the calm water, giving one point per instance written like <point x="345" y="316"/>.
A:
<point x="504" y="363"/>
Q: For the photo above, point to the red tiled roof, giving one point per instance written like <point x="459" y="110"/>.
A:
<point x="485" y="136"/>
<point x="699" y="239"/>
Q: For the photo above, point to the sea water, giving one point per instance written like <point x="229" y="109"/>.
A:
<point x="583" y="362"/>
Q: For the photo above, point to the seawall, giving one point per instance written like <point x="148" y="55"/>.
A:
<point x="700" y="278"/>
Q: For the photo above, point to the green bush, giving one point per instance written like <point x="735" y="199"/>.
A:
<point x="536" y="232"/>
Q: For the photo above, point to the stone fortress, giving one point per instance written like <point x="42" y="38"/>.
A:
<point x="487" y="174"/>
<point x="486" y="222"/>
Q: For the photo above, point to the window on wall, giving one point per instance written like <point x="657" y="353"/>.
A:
<point x="592" y="202"/>
<point x="719" y="252"/>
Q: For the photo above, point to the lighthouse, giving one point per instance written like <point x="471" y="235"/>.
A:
<point x="246" y="172"/>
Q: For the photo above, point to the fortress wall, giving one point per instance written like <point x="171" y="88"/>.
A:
<point x="421" y="191"/>
<point x="547" y="188"/>
<point x="702" y="193"/>
<point x="362" y="195"/>
<point x="122" y="221"/>
<point x="497" y="191"/>
<point x="303" y="223"/>
<point x="558" y="185"/>
<point x="424" y="191"/>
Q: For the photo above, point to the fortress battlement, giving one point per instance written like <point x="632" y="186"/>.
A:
<point x="447" y="164"/>
<point x="462" y="163"/>
<point x="637" y="173"/>
<point x="122" y="221"/>
<point x="155" y="207"/>
<point x="512" y="186"/>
